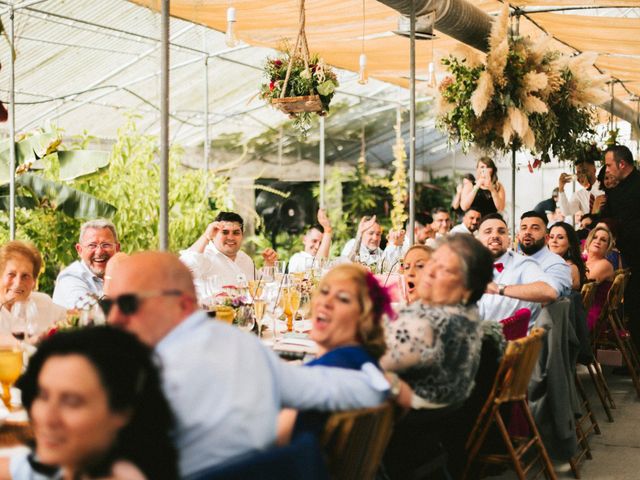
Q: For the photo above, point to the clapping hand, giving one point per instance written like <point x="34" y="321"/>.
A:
<point x="396" y="237"/>
<point x="324" y="221"/>
<point x="366" y="224"/>
<point x="270" y="256"/>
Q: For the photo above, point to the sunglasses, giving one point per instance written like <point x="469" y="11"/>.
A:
<point x="129" y="303"/>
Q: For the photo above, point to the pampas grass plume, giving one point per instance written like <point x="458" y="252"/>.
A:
<point x="483" y="93"/>
<point x="532" y="104"/>
<point x="518" y="120"/>
<point x="507" y="132"/>
<point x="534" y="81"/>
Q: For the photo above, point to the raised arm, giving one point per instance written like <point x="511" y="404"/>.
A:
<point x="468" y="194"/>
<point x="212" y="229"/>
<point x="325" y="243"/>
<point x="498" y="195"/>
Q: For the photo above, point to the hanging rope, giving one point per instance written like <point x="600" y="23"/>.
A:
<point x="301" y="49"/>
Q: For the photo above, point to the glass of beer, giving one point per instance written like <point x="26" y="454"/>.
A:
<point x="10" y="370"/>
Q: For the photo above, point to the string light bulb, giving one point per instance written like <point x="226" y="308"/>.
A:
<point x="362" y="72"/>
<point x="230" y="38"/>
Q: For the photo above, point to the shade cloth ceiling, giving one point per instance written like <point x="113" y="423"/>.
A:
<point x="335" y="30"/>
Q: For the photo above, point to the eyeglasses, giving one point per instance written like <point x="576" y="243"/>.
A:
<point x="103" y="246"/>
<point x="129" y="303"/>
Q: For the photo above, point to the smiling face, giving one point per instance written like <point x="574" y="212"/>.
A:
<point x="311" y="241"/>
<point x="494" y="235"/>
<point x="532" y="235"/>
<point x="412" y="269"/>
<point x="96" y="247"/>
<point x="471" y="220"/>
<point x="599" y="244"/>
<point x="72" y="422"/>
<point x="17" y="279"/>
<point x="442" y="281"/>
<point x="442" y="223"/>
<point x="335" y="312"/>
<point x="558" y="241"/>
<point x="422" y="233"/>
<point x="371" y="238"/>
<point x="228" y="240"/>
<point x="586" y="174"/>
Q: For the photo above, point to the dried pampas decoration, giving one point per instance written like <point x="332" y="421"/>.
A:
<point x="499" y="46"/>
<point x="483" y="93"/>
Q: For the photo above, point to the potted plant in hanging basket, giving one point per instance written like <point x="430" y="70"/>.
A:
<point x="297" y="83"/>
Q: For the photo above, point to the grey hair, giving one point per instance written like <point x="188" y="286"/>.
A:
<point x="98" y="224"/>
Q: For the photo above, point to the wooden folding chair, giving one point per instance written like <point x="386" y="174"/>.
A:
<point x="611" y="333"/>
<point x="355" y="441"/>
<point x="593" y="366"/>
<point x="510" y="386"/>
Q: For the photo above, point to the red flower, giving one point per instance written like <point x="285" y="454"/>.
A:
<point x="277" y="63"/>
<point x="52" y="331"/>
<point x="272" y="85"/>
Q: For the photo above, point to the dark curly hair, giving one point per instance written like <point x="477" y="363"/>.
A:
<point x="131" y="382"/>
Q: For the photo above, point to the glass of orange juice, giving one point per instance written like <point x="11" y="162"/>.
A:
<point x="10" y="370"/>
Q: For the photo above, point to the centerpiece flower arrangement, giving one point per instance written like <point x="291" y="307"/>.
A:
<point x="526" y="94"/>
<point x="309" y="85"/>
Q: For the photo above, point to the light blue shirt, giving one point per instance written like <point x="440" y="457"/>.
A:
<point x="226" y="390"/>
<point x="75" y="282"/>
<point x="557" y="270"/>
<point x="517" y="270"/>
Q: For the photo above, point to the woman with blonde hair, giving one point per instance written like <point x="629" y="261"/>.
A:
<point x="347" y="311"/>
<point x="488" y="194"/>
<point x="597" y="246"/>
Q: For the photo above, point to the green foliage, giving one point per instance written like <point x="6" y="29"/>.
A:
<point x="398" y="185"/>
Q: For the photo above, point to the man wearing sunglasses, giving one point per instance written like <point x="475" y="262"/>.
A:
<point x="217" y="252"/>
<point x="225" y="387"/>
<point x="98" y="242"/>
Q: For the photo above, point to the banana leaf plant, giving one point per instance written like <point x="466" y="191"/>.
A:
<point x="35" y="191"/>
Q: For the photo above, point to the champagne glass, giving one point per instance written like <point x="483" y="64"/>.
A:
<point x="294" y="305"/>
<point x="267" y="274"/>
<point x="244" y="318"/>
<point x="10" y="370"/>
<point x="304" y="309"/>
<point x="259" y="308"/>
<point x="255" y="288"/>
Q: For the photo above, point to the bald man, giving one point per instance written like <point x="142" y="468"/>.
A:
<point x="225" y="387"/>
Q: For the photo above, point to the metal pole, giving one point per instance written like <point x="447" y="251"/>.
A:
<point x="207" y="145"/>
<point x="322" y="166"/>
<point x="513" y="192"/>
<point x="163" y="225"/>
<point x="12" y="131"/>
<point x="412" y="125"/>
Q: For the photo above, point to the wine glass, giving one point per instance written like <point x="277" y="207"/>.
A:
<point x="304" y="310"/>
<point x="244" y="318"/>
<point x="10" y="370"/>
<point x="23" y="317"/>
<point x="259" y="308"/>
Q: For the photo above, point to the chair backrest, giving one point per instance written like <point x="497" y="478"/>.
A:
<point x="616" y="292"/>
<point x="520" y="357"/>
<point x="588" y="293"/>
<point x="516" y="326"/>
<point x="355" y="441"/>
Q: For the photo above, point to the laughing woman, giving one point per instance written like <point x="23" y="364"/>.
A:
<point x="346" y="312"/>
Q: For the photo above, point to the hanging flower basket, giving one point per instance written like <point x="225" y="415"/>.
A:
<point x="297" y="83"/>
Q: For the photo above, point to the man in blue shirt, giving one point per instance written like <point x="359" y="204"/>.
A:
<point x="98" y="242"/>
<point x="518" y="281"/>
<point x="225" y="387"/>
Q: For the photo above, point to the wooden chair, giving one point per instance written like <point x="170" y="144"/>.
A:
<point x="355" y="441"/>
<point x="611" y="333"/>
<point x="510" y="386"/>
<point x="593" y="366"/>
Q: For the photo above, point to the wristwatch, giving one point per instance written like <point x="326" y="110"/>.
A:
<point x="501" y="288"/>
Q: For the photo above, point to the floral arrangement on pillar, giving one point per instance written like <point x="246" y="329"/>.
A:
<point x="525" y="95"/>
<point x="398" y="183"/>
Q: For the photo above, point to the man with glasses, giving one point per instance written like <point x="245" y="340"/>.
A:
<point x="217" y="252"/>
<point x="225" y="387"/>
<point x="98" y="242"/>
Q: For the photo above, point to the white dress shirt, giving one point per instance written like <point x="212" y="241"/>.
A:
<point x="517" y="270"/>
<point x="226" y="390"/>
<point x="460" y="228"/>
<point x="579" y="200"/>
<point x="213" y="262"/>
<point x="74" y="282"/>
<point x="557" y="270"/>
<point x="298" y="262"/>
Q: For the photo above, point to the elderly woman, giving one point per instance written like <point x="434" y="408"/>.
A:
<point x="346" y="315"/>
<point x="413" y="266"/>
<point x="598" y="245"/>
<point x="434" y="346"/>
<point x="97" y="410"/>
<point x="564" y="242"/>
<point x="20" y="264"/>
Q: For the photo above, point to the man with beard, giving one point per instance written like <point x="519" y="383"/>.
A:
<point x="317" y="242"/>
<point x="584" y="198"/>
<point x="217" y="252"/>
<point x="518" y="281"/>
<point x="469" y="223"/>
<point x="98" y="242"/>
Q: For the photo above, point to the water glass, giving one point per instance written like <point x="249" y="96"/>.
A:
<point x="244" y="318"/>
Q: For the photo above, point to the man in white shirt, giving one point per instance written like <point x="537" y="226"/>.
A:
<point x="217" y="252"/>
<point x="469" y="224"/>
<point x="365" y="248"/>
<point x="316" y="245"/>
<point x="225" y="387"/>
<point x="518" y="281"/>
<point x="98" y="242"/>
<point x="583" y="199"/>
<point x="441" y="225"/>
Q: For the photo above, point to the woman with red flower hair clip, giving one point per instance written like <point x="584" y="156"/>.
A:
<point x="347" y="312"/>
